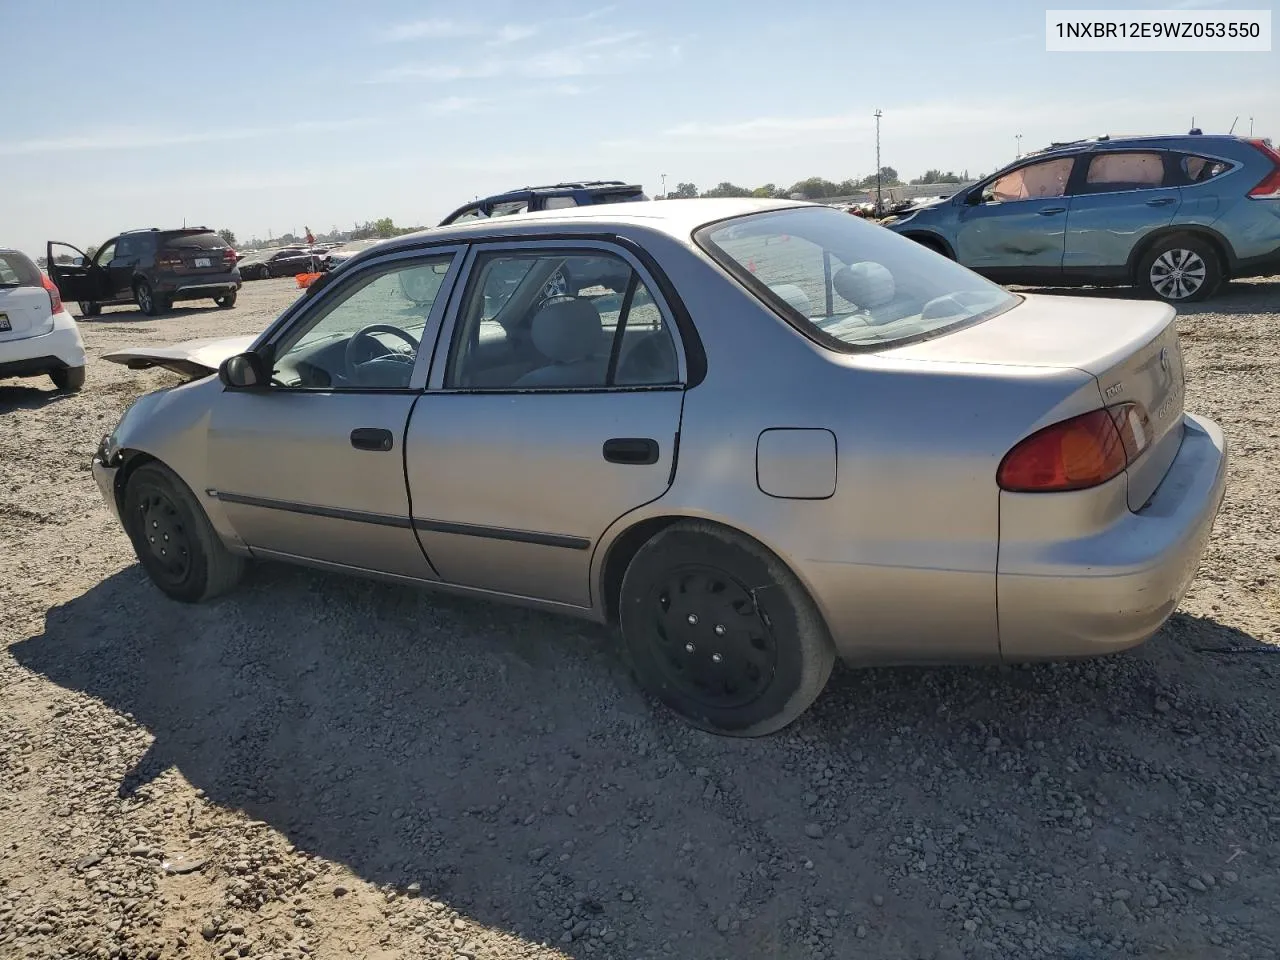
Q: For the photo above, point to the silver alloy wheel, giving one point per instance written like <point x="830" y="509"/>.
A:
<point x="144" y="297"/>
<point x="1177" y="274"/>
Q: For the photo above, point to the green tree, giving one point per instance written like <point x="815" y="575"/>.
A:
<point x="384" y="227"/>
<point x="846" y="188"/>
<point x="815" y="188"/>
<point x="767" y="191"/>
<point x="727" y="189"/>
<point x="684" y="191"/>
<point x="89" y="251"/>
<point x="227" y="236"/>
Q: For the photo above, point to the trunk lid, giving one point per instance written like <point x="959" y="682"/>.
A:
<point x="24" y="311"/>
<point x="1130" y="348"/>
<point x="191" y="358"/>
<point x="194" y="254"/>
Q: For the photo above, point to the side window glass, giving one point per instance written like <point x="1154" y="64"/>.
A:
<point x="1199" y="169"/>
<point x="1124" y="171"/>
<point x="105" y="255"/>
<point x="128" y="247"/>
<point x="558" y="320"/>
<point x="366" y="335"/>
<point x="1034" y="182"/>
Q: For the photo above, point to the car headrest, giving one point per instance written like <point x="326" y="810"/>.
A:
<point x="796" y="298"/>
<point x="867" y="284"/>
<point x="567" y="330"/>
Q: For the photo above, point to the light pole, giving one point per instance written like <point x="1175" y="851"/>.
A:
<point x="664" y="185"/>
<point x="879" y="194"/>
<point x="1017" y="138"/>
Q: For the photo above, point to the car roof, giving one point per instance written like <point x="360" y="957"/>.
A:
<point x="1180" y="140"/>
<point x="677" y="218"/>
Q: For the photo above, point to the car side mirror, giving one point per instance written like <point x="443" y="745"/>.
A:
<point x="243" y="371"/>
<point x="974" y="197"/>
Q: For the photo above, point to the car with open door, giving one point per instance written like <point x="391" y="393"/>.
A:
<point x="792" y="435"/>
<point x="38" y="337"/>
<point x="152" y="268"/>
<point x="284" y="262"/>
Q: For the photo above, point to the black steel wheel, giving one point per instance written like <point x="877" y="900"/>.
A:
<point x="173" y="539"/>
<point x="721" y="631"/>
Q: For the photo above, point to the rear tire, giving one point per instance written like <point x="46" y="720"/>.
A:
<point x="1181" y="268"/>
<point x="721" y="631"/>
<point x="89" y="309"/>
<point x="68" y="379"/>
<point x="173" y="539"/>
<point x="226" y="301"/>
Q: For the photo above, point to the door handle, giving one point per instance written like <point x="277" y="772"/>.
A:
<point x="1050" y="211"/>
<point x="372" y="438"/>
<point x="634" y="450"/>
<point x="1159" y="201"/>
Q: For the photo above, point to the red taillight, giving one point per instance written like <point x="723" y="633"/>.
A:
<point x="1269" y="188"/>
<point x="1075" y="454"/>
<point x="229" y="255"/>
<point x="55" y="298"/>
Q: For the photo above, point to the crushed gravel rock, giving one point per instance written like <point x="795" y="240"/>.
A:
<point x="322" y="767"/>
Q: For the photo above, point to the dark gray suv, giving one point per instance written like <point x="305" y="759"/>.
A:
<point x="152" y="268"/>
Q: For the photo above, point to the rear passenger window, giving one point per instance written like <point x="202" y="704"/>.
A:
<point x="1199" y="169"/>
<point x="1125" y="171"/>
<point x="559" y="320"/>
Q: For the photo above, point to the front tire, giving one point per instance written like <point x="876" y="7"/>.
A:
<point x="1180" y="269"/>
<point x="89" y="309"/>
<point x="226" y="301"/>
<point x="68" y="379"/>
<point x="722" y="632"/>
<point x="173" y="538"/>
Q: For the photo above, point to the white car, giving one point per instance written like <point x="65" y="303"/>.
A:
<point x="38" y="337"/>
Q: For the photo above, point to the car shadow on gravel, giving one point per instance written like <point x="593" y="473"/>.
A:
<point x="502" y="759"/>
<point x="134" y="315"/>
<point x="29" y="398"/>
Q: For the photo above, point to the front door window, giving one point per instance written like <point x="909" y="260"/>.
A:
<point x="1036" y="181"/>
<point x="367" y="335"/>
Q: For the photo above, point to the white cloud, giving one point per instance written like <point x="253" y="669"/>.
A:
<point x="512" y="33"/>
<point x="432" y="29"/>
<point x="604" y="54"/>
<point x="137" y="138"/>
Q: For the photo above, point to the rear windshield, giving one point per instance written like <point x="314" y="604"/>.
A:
<point x="17" y="270"/>
<point x="850" y="284"/>
<point x="196" y="241"/>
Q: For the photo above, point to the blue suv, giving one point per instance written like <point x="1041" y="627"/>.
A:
<point x="1173" y="216"/>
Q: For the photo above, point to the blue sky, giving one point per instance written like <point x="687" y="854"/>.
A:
<point x="272" y="116"/>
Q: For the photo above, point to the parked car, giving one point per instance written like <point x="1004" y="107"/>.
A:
<point x="343" y="252"/>
<point x="557" y="196"/>
<point x="1174" y="216"/>
<point x="38" y="337"/>
<point x="153" y="268"/>
<point x="284" y="262"/>
<point x="794" y="436"/>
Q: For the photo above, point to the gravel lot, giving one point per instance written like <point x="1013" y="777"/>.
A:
<point x="317" y="766"/>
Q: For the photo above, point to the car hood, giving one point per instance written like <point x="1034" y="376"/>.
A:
<point x="191" y="358"/>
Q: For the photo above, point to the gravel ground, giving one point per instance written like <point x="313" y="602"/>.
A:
<point x="325" y="767"/>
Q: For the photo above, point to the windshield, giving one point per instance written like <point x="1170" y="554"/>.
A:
<point x="855" y="284"/>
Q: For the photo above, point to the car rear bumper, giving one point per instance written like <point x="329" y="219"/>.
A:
<point x="198" y="286"/>
<point x="58" y="349"/>
<point x="1114" y="588"/>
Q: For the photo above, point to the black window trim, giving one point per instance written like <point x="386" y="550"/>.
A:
<point x="566" y="245"/>
<point x="803" y="325"/>
<point x="304" y="307"/>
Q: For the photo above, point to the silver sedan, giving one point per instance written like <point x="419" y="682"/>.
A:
<point x="766" y="435"/>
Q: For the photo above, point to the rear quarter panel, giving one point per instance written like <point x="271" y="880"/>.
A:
<point x="901" y="559"/>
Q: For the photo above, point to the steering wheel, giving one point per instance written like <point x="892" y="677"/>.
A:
<point x="366" y="333"/>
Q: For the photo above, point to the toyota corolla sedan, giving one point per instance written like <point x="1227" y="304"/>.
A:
<point x="788" y="435"/>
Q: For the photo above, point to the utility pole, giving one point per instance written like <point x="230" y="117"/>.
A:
<point x="879" y="193"/>
<point x="664" y="185"/>
<point x="1251" y="126"/>
<point x="1017" y="138"/>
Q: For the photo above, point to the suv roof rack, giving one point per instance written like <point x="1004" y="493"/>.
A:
<point x="168" y="230"/>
